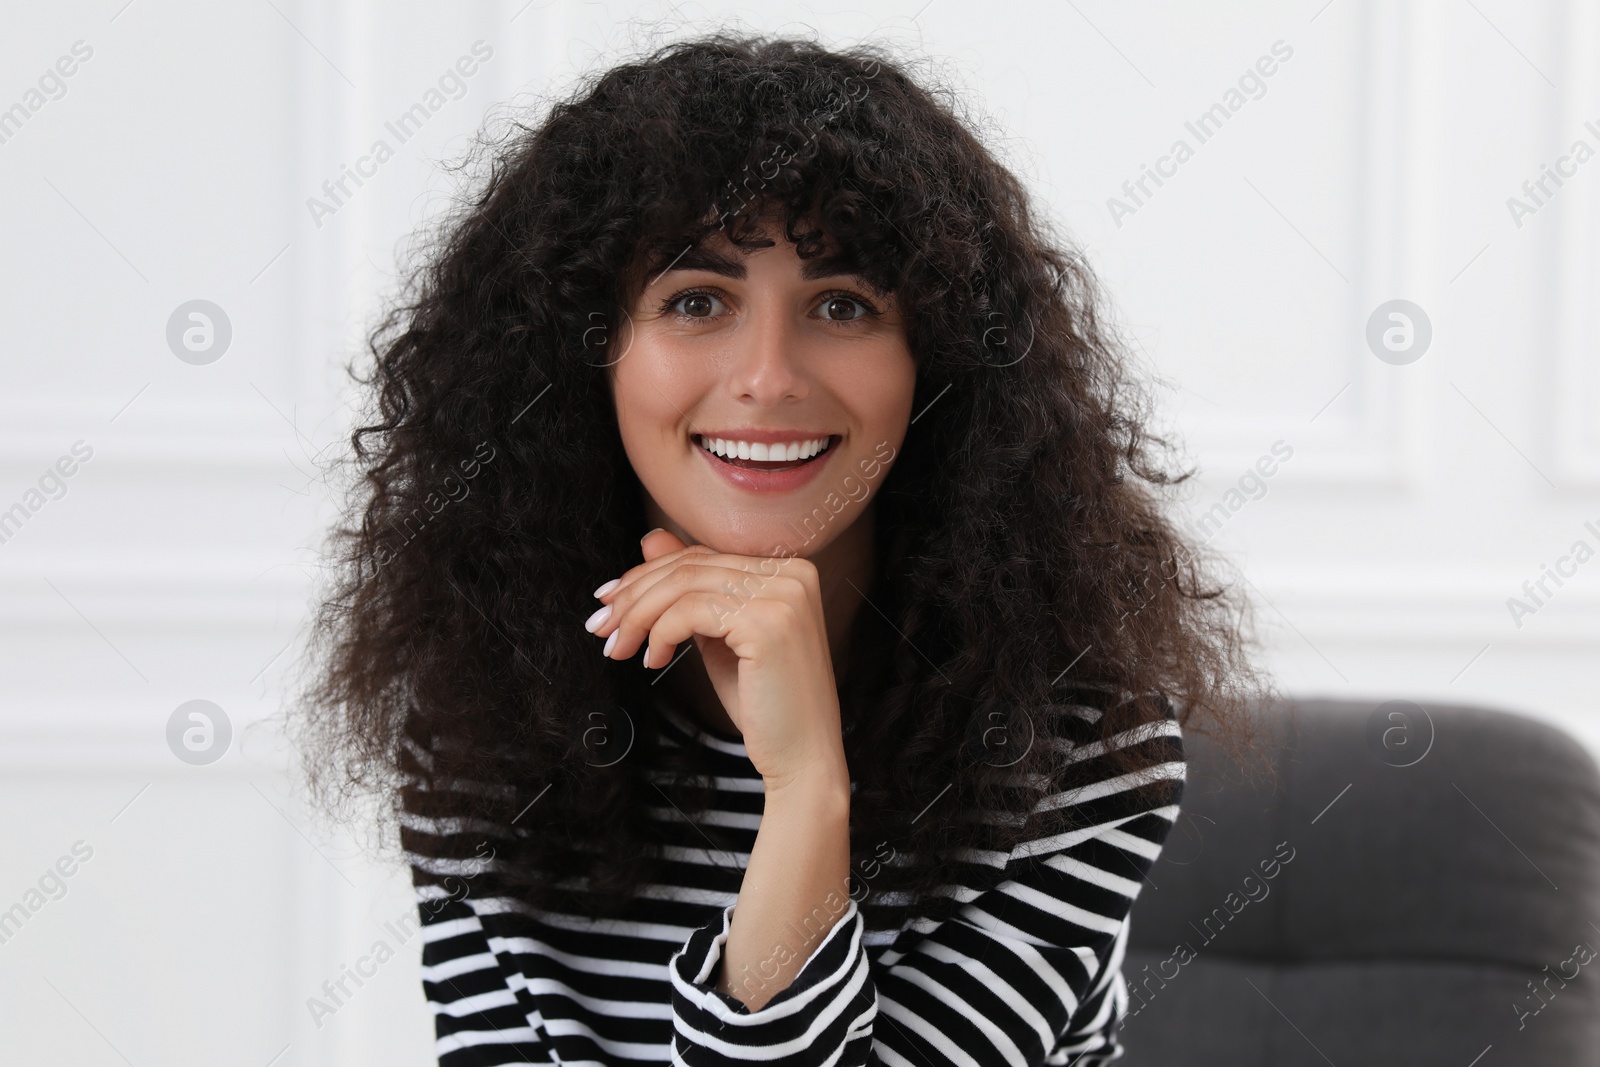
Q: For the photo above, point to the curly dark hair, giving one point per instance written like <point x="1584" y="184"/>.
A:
<point x="1021" y="571"/>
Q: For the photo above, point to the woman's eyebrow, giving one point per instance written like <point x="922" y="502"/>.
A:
<point x="698" y="257"/>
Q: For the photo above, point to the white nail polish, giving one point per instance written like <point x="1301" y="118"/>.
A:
<point x="611" y="642"/>
<point x="604" y="589"/>
<point x="598" y="619"/>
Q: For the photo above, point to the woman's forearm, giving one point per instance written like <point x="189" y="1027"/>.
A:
<point x="795" y="889"/>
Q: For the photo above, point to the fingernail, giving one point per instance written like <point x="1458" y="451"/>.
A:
<point x="611" y="642"/>
<point x="649" y="532"/>
<point x="598" y="619"/>
<point x="604" y="589"/>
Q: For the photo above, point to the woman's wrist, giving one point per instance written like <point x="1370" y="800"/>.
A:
<point x="818" y="785"/>
<point x="796" y="885"/>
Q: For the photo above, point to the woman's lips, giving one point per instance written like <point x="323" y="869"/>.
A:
<point x="768" y="476"/>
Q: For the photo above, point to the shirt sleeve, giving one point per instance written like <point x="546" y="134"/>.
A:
<point x="1025" y="973"/>
<point x="482" y="1014"/>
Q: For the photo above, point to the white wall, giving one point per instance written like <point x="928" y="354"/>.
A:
<point x="177" y="566"/>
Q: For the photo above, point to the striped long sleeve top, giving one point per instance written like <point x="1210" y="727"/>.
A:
<point x="1026" y="971"/>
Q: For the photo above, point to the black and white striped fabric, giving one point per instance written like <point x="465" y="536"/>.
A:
<point x="1026" y="972"/>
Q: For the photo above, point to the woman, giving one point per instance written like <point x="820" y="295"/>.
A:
<point x="884" y="731"/>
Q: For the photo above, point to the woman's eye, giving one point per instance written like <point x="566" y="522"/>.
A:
<point x="693" y="305"/>
<point x="844" y="305"/>
<point x="700" y="304"/>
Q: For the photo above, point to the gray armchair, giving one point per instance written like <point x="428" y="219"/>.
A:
<point x="1420" y="886"/>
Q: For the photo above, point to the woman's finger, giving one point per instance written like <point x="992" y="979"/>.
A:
<point x="635" y="613"/>
<point x="694" y="613"/>
<point x="697" y="553"/>
<point x="754" y="574"/>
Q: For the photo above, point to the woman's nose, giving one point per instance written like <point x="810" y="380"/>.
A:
<point x="767" y="363"/>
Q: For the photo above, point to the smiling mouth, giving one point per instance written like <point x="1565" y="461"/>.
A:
<point x="765" y="464"/>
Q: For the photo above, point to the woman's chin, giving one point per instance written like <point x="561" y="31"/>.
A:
<point x="777" y="538"/>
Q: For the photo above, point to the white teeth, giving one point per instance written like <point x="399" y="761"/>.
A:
<point x="787" y="452"/>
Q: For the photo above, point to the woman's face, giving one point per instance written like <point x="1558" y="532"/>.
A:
<point x="744" y="348"/>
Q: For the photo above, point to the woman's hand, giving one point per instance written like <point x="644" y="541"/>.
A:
<point x="759" y="626"/>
